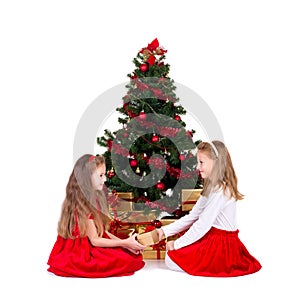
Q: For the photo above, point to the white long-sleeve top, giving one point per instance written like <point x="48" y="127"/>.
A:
<point x="216" y="210"/>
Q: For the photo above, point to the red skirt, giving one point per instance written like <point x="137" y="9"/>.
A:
<point x="79" y="258"/>
<point x="219" y="253"/>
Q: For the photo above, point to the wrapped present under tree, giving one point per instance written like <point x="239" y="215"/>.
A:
<point x="189" y="198"/>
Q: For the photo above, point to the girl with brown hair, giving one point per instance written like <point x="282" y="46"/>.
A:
<point x="211" y="246"/>
<point x="84" y="247"/>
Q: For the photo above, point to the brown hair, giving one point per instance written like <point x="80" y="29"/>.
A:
<point x="222" y="174"/>
<point x="83" y="200"/>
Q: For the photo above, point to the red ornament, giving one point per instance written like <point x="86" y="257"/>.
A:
<point x="142" y="115"/>
<point x="155" y="138"/>
<point x="182" y="157"/>
<point x="143" y="67"/>
<point x="133" y="163"/>
<point x="157" y="223"/>
<point x="110" y="174"/>
<point x="178" y="212"/>
<point x="177" y="118"/>
<point x="160" y="186"/>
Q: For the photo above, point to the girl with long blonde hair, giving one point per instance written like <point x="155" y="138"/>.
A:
<point x="210" y="245"/>
<point x="84" y="246"/>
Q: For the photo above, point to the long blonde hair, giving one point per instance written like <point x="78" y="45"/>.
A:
<point x="222" y="173"/>
<point x="83" y="200"/>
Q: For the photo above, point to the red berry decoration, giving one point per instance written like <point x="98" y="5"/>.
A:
<point x="177" y="118"/>
<point x="155" y="138"/>
<point x="143" y="67"/>
<point x="160" y="186"/>
<point x="133" y="163"/>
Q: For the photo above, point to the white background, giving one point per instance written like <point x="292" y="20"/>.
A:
<point x="241" y="57"/>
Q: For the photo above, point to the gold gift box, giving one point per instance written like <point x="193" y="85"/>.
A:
<point x="189" y="198"/>
<point x="125" y="195"/>
<point x="167" y="221"/>
<point x="123" y="205"/>
<point x="138" y="217"/>
<point x="131" y="222"/>
<point x="148" y="238"/>
<point x="150" y="253"/>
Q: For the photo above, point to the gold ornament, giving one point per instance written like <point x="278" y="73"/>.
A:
<point x="137" y="170"/>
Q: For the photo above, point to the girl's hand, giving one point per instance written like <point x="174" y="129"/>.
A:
<point x="170" y="245"/>
<point x="136" y="252"/>
<point x="160" y="233"/>
<point x="133" y="245"/>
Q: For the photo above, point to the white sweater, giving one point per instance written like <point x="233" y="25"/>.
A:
<point x="216" y="210"/>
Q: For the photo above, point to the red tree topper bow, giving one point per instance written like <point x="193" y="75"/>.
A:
<point x="151" y="50"/>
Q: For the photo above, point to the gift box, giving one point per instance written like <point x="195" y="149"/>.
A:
<point x="125" y="195"/>
<point x="120" y="201"/>
<point x="167" y="221"/>
<point x="140" y="217"/>
<point x="158" y="249"/>
<point x="124" y="233"/>
<point x="147" y="234"/>
<point x="148" y="238"/>
<point x="189" y="197"/>
<point x="150" y="253"/>
<point x="119" y="228"/>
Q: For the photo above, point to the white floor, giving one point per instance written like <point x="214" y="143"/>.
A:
<point x="30" y="280"/>
<point x="155" y="281"/>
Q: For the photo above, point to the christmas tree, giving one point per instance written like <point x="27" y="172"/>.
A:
<point x="152" y="155"/>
